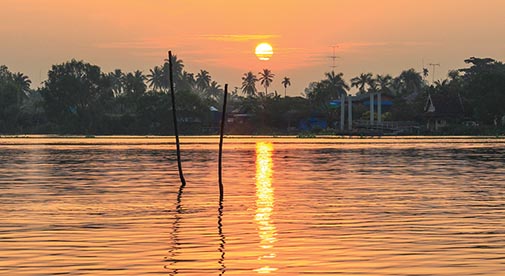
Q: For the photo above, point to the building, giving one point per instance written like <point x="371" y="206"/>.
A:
<point x="441" y="110"/>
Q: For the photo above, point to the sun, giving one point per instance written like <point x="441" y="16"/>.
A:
<point x="264" y="51"/>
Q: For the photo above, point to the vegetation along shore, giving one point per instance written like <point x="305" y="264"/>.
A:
<point x="79" y="98"/>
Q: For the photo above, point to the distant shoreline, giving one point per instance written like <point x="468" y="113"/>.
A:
<point x="57" y="136"/>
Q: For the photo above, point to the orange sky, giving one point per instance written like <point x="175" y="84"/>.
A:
<point x="383" y="36"/>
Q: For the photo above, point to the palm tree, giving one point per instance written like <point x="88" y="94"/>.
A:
<point x="384" y="83"/>
<point x="214" y="90"/>
<point x="134" y="83"/>
<point x="23" y="83"/>
<point x="337" y="84"/>
<point x="266" y="78"/>
<point x="189" y="79"/>
<point x="286" y="82"/>
<point x="177" y="67"/>
<point x="187" y="82"/>
<point x="155" y="78"/>
<point x="362" y="81"/>
<point x="372" y="85"/>
<point x="412" y="81"/>
<point x="116" y="79"/>
<point x="249" y="84"/>
<point x="165" y="81"/>
<point x="203" y="80"/>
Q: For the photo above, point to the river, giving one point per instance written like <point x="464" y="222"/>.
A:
<point x="326" y="206"/>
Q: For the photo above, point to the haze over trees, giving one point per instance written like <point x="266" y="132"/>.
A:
<point x="79" y="98"/>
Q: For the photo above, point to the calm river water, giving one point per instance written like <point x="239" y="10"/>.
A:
<point x="390" y="206"/>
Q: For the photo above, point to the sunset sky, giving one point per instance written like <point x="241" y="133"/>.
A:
<point x="220" y="36"/>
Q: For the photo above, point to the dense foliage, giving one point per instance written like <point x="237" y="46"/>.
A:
<point x="79" y="98"/>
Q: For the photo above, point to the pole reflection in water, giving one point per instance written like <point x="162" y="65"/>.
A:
<point x="264" y="205"/>
<point x="175" y="233"/>
<point x="222" y="238"/>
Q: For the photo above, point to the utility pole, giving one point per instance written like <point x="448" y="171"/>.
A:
<point x="434" y="65"/>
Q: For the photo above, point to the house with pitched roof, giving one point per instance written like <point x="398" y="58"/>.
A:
<point x="441" y="110"/>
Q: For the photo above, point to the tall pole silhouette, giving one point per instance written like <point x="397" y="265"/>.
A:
<point x="434" y="65"/>
<point x="334" y="58"/>
<point x="220" y="161"/>
<point x="174" y="115"/>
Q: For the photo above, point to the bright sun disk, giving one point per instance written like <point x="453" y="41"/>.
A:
<point x="264" y="51"/>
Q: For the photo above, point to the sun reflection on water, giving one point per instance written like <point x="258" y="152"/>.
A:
<point x="264" y="204"/>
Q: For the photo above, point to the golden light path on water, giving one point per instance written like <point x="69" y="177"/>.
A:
<point x="265" y="205"/>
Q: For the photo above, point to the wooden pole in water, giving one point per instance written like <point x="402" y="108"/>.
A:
<point x="220" y="162"/>
<point x="174" y="114"/>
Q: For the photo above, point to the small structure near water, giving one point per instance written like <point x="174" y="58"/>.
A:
<point x="442" y="110"/>
<point x="377" y="102"/>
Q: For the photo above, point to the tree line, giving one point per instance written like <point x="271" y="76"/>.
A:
<point x="79" y="98"/>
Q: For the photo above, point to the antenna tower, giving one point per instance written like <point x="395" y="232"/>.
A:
<point x="334" y="58"/>
<point x="434" y="65"/>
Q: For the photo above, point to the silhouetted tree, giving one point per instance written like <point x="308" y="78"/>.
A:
<point x="266" y="78"/>
<point x="78" y="98"/>
<point x="484" y="88"/>
<point x="336" y="85"/>
<point x="321" y="93"/>
<point x="155" y="78"/>
<point x="361" y="82"/>
<point x="203" y="80"/>
<point x="249" y="84"/>
<point x="188" y="80"/>
<point x="13" y="90"/>
<point x="214" y="91"/>
<point x="134" y="84"/>
<point x="177" y="67"/>
<point x="116" y="78"/>
<point x="74" y="95"/>
<point x="22" y="81"/>
<point x="384" y="83"/>
<point x="412" y="82"/>
<point x="286" y="82"/>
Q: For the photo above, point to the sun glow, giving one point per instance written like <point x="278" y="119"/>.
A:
<point x="264" y="51"/>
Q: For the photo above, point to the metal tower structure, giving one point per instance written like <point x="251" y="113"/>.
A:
<point x="334" y="58"/>
<point x="434" y="65"/>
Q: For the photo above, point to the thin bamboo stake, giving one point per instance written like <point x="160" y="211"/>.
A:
<point x="174" y="114"/>
<point x="220" y="161"/>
